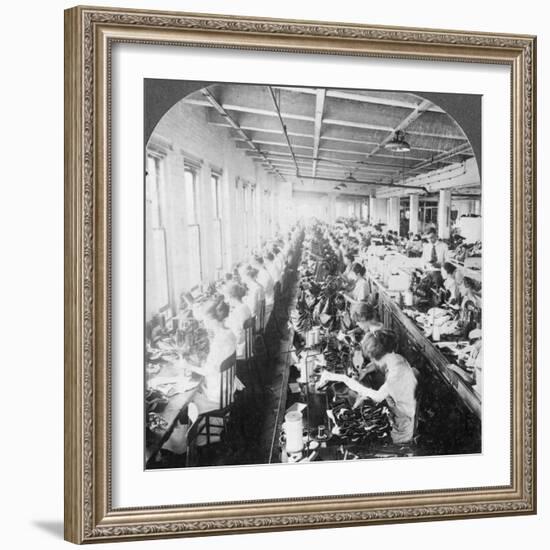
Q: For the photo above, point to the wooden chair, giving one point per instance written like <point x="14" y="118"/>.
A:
<point x="228" y="370"/>
<point x="249" y="330"/>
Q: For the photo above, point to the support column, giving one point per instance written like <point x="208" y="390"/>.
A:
<point x="331" y="207"/>
<point x="373" y="210"/>
<point x="381" y="211"/>
<point x="413" y="214"/>
<point x="365" y="209"/>
<point x="378" y="210"/>
<point x="444" y="214"/>
<point x="394" y="205"/>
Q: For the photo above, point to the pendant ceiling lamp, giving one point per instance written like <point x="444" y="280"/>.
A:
<point x="398" y="144"/>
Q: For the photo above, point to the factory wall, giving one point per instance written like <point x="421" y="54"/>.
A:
<point x="253" y="205"/>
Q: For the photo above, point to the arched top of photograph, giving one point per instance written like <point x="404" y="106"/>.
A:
<point x="323" y="137"/>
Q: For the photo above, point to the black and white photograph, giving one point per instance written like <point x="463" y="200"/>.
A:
<point x="313" y="274"/>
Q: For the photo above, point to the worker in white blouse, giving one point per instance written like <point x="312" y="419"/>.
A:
<point x="398" y="389"/>
<point x="255" y="294"/>
<point x="448" y="274"/>
<point x="272" y="268"/>
<point x="223" y="344"/>
<point x="279" y="260"/>
<point x="435" y="252"/>
<point x="359" y="295"/>
<point x="266" y="280"/>
<point x="349" y="260"/>
<point x="239" y="313"/>
<point x="286" y="249"/>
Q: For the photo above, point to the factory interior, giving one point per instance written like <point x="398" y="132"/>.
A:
<point x="313" y="277"/>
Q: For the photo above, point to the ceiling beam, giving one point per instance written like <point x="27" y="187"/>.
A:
<point x="213" y="101"/>
<point x="283" y="126"/>
<point x="355" y="124"/>
<point x="241" y="144"/>
<point x="463" y="148"/>
<point x="345" y="165"/>
<point x="378" y="184"/>
<point x="319" y="109"/>
<point x="365" y="98"/>
<point x="325" y="137"/>
<point x="262" y="129"/>
<point x="454" y="177"/>
<point x="262" y="113"/>
<point x="265" y="112"/>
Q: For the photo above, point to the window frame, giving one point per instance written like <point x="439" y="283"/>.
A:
<point x="193" y="166"/>
<point x="217" y="218"/>
<point x="158" y="153"/>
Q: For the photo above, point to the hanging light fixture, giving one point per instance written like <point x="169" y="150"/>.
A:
<point x="398" y="144"/>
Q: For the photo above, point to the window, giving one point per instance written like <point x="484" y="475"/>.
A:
<point x="215" y="183"/>
<point x="193" y="227"/>
<point x="152" y="190"/>
<point x="253" y="201"/>
<point x="246" y="203"/>
<point x="216" y="195"/>
<point x="158" y="289"/>
<point x="190" y="196"/>
<point x="252" y="216"/>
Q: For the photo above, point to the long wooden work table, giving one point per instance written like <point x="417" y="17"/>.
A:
<point x="412" y="337"/>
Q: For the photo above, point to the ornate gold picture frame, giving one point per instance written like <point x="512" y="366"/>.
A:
<point x="90" y="34"/>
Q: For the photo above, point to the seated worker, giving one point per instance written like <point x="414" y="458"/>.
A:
<point x="360" y="293"/>
<point x="349" y="259"/>
<point x="398" y="389"/>
<point x="266" y="280"/>
<point x="255" y="293"/>
<point x="367" y="322"/>
<point x="366" y="319"/>
<point x="449" y="283"/>
<point x="223" y="344"/>
<point x="278" y="258"/>
<point x="272" y="268"/>
<point x="239" y="313"/>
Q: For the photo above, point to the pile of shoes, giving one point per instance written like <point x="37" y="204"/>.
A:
<point x="367" y="424"/>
